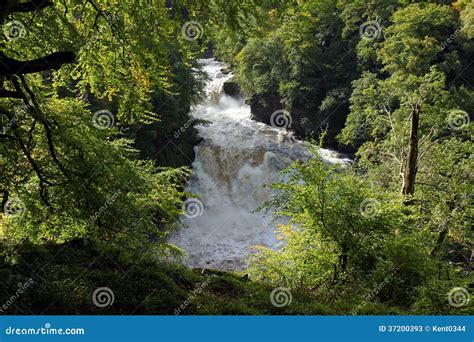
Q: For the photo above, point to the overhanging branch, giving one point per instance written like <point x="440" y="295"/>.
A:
<point x="10" y="66"/>
<point x="30" y="6"/>
<point x="14" y="6"/>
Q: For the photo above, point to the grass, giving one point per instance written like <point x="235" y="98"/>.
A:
<point x="66" y="276"/>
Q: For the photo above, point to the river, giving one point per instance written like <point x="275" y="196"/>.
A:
<point x="235" y="159"/>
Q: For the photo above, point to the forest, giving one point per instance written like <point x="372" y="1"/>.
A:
<point x="98" y="145"/>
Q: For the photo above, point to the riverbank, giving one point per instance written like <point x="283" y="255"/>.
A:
<point x="61" y="279"/>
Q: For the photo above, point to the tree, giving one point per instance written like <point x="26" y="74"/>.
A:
<point x="403" y="120"/>
<point x="414" y="90"/>
<point x="413" y="42"/>
<point x="68" y="102"/>
<point x="381" y="110"/>
<point x="337" y="224"/>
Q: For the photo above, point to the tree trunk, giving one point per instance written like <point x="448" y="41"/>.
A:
<point x="410" y="169"/>
<point x="439" y="243"/>
<point x="4" y="199"/>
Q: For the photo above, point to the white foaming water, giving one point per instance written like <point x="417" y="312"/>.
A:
<point x="236" y="158"/>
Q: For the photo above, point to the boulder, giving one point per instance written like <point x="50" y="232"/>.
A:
<point x="226" y="70"/>
<point x="263" y="106"/>
<point x="232" y="89"/>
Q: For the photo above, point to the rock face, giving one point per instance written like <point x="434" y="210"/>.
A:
<point x="305" y="121"/>
<point x="232" y="88"/>
<point x="180" y="152"/>
<point x="263" y="106"/>
<point x="170" y="148"/>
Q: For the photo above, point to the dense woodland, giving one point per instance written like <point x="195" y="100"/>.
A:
<point x="92" y="93"/>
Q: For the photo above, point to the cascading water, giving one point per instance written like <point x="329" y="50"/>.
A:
<point x="234" y="161"/>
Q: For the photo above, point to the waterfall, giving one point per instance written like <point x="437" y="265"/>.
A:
<point x="236" y="158"/>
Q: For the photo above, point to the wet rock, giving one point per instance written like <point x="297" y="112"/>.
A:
<point x="231" y="88"/>
<point x="226" y="71"/>
<point x="306" y="120"/>
<point x="263" y="106"/>
<point x="208" y="53"/>
<point x="170" y="148"/>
